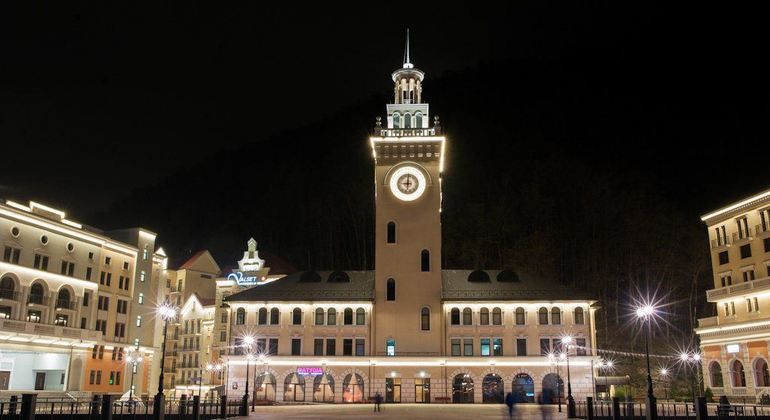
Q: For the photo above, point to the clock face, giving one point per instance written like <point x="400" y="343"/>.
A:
<point x="407" y="183"/>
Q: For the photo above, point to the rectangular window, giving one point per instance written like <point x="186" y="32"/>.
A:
<point x="142" y="275"/>
<point x="296" y="346"/>
<point x="318" y="347"/>
<point x="41" y="262"/>
<point x="723" y="258"/>
<point x="89" y="270"/>
<point x="545" y="346"/>
<point x="497" y="346"/>
<point x="766" y="242"/>
<point x="125" y="265"/>
<point x="467" y="347"/>
<point x="83" y="323"/>
<point x="726" y="280"/>
<point x="109" y="278"/>
<point x="141" y="298"/>
<point x="456" y="351"/>
<point x="485" y="347"/>
<point x="390" y="347"/>
<point x="743" y="227"/>
<point x="86" y="299"/>
<point x="580" y="344"/>
<point x="746" y="251"/>
<point x="107" y="260"/>
<point x="102" y="277"/>
<point x="67" y="268"/>
<point x="139" y="321"/>
<point x="360" y="347"/>
<point x="122" y="306"/>
<point x="521" y="346"/>
<point x="347" y="347"/>
<point x="272" y="346"/>
<point x="92" y="377"/>
<point x="331" y="346"/>
<point x="98" y="377"/>
<point x="11" y="255"/>
<point x="222" y="336"/>
<point x="748" y="275"/>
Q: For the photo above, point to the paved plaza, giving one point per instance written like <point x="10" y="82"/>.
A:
<point x="407" y="411"/>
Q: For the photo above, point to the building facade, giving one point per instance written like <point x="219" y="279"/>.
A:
<point x="734" y="343"/>
<point x="409" y="330"/>
<point x="74" y="301"/>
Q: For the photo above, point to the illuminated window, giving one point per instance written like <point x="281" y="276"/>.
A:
<point x="467" y="316"/>
<point x="555" y="316"/>
<point x="319" y="316"/>
<point x="390" y="347"/>
<point x="484" y="316"/>
<point x="542" y="316"/>
<point x="240" y="316"/>
<point x="497" y="316"/>
<point x="360" y="316"/>
<point x="142" y="276"/>
<point x="520" y="316"/>
<point x="141" y="298"/>
<point x="139" y="321"/>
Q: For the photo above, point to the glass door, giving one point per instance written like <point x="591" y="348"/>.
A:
<point x="422" y="390"/>
<point x="393" y="390"/>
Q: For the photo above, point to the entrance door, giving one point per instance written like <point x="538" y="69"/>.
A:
<point x="5" y="379"/>
<point x="393" y="390"/>
<point x="421" y="390"/>
<point x="39" y="380"/>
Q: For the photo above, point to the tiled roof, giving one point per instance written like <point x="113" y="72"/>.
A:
<point x="504" y="285"/>
<point x="313" y="286"/>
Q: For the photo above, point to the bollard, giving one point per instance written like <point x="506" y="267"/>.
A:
<point x="159" y="406"/>
<point x="223" y="406"/>
<point x="245" y="406"/>
<point x="107" y="401"/>
<point x="589" y="408"/>
<point x="615" y="408"/>
<point x="28" y="403"/>
<point x="196" y="408"/>
<point x="700" y="409"/>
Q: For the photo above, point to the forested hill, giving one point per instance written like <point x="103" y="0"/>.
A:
<point x="582" y="180"/>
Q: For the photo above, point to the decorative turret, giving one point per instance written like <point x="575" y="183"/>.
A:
<point x="408" y="80"/>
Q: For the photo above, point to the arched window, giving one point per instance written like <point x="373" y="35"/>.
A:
<point x="484" y="316"/>
<point x="262" y="315"/>
<point x="391" y="232"/>
<point x="462" y="389"/>
<point x="425" y="319"/>
<point x="407" y="120"/>
<point x="36" y="294"/>
<point x="497" y="316"/>
<point x="391" y="292"/>
<point x="418" y="119"/>
<point x="467" y="316"/>
<point x="319" y="316"/>
<point x="738" y="374"/>
<point x="542" y="316"/>
<point x="323" y="388"/>
<point x="492" y="389"/>
<point x="454" y="316"/>
<point x="761" y="375"/>
<point x="331" y="317"/>
<point x="715" y="374"/>
<point x="353" y="388"/>
<point x="360" y="316"/>
<point x="555" y="316"/>
<point x="579" y="318"/>
<point x="294" y="388"/>
<point x="7" y="287"/>
<point x="396" y="120"/>
<point x="296" y="316"/>
<point x="265" y="387"/>
<point x="425" y="260"/>
<point x="63" y="300"/>
<point x="520" y="316"/>
<point x="240" y="316"/>
<point x="347" y="316"/>
<point x="275" y="316"/>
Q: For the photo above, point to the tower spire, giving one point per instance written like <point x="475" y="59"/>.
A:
<point x="407" y="60"/>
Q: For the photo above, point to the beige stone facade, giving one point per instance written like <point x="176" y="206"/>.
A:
<point x="734" y="343"/>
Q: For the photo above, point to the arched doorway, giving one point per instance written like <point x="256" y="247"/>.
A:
<point x="353" y="388"/>
<point x="462" y="389"/>
<point x="523" y="388"/>
<point x="323" y="388"/>
<point x="492" y="389"/>
<point x="294" y="388"/>
<point x="553" y="389"/>
<point x="264" y="388"/>
<point x="36" y="294"/>
<point x="7" y="288"/>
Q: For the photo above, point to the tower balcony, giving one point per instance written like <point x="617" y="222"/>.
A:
<point x="405" y="132"/>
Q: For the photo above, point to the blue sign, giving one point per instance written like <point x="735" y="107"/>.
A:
<point x="240" y="280"/>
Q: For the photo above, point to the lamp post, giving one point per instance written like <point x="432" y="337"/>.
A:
<point x="644" y="313"/>
<point x="571" y="412"/>
<point x="689" y="359"/>
<point x="133" y="358"/>
<point x="555" y="360"/>
<point x="663" y="373"/>
<point x="604" y="367"/>
<point x="166" y="312"/>
<point x="247" y="341"/>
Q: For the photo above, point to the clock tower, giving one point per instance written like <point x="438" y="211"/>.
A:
<point x="408" y="155"/>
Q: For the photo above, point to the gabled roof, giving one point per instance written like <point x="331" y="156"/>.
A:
<point x="312" y="286"/>
<point x="201" y="261"/>
<point x="505" y="285"/>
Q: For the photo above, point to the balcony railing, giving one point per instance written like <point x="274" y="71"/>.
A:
<point x="33" y="329"/>
<point x="708" y="322"/>
<point x="405" y="132"/>
<point x="762" y="229"/>
<point x="65" y="304"/>
<point x="741" y="236"/>
<point x="720" y="242"/>
<point x="757" y="285"/>
<point x="9" y="294"/>
<point x="38" y="300"/>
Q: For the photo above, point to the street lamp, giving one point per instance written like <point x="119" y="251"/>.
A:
<point x="644" y="313"/>
<point x="663" y="373"/>
<point x="566" y="340"/>
<point x="554" y="360"/>
<point x="691" y="359"/>
<point x="247" y="341"/>
<point x="605" y="366"/>
<point x="166" y="312"/>
<point x="134" y="357"/>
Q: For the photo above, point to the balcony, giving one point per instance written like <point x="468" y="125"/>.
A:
<point x="708" y="322"/>
<point x="38" y="300"/>
<point x="9" y="295"/>
<point x="68" y="304"/>
<point x="754" y="286"/>
<point x="21" y="331"/>
<point x="762" y="230"/>
<point x="405" y="132"/>
<point x="741" y="237"/>
<point x="720" y="243"/>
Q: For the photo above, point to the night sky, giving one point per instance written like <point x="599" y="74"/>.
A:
<point x="99" y="101"/>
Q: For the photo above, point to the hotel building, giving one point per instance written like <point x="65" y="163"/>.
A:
<point x="409" y="329"/>
<point x="734" y="343"/>
<point x="74" y="303"/>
